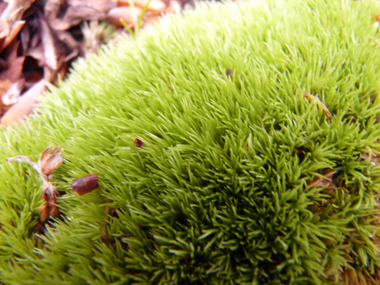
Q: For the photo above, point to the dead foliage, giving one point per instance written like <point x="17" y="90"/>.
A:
<point x="39" y="40"/>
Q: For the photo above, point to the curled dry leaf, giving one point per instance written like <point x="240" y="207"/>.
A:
<point x="138" y="143"/>
<point x="320" y="104"/>
<point x="324" y="181"/>
<point x="50" y="160"/>
<point x="85" y="184"/>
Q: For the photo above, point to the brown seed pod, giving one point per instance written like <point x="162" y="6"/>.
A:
<point x="85" y="185"/>
<point x="138" y="143"/>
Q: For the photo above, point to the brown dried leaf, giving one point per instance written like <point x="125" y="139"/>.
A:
<point x="4" y="28"/>
<point x="50" y="160"/>
<point x="62" y="14"/>
<point x="324" y="181"/>
<point x="320" y="104"/>
<point x="48" y="44"/>
<point x="24" y="106"/>
<point x="13" y="66"/>
<point x="15" y="10"/>
<point x="14" y="30"/>
<point x="23" y="158"/>
<point x="13" y="92"/>
<point x="37" y="53"/>
<point x="85" y="185"/>
<point x="25" y="38"/>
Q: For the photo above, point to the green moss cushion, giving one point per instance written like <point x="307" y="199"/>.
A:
<point x="220" y="191"/>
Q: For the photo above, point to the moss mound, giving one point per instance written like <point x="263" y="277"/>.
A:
<point x="221" y="191"/>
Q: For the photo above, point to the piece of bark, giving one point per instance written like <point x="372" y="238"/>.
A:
<point x="24" y="106"/>
<point x="130" y="15"/>
<point x="62" y="14"/>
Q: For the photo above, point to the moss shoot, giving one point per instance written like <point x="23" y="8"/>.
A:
<point x="221" y="189"/>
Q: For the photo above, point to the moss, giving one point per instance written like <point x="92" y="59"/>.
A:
<point x="219" y="192"/>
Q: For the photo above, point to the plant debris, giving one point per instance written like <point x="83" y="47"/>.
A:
<point x="320" y="104"/>
<point x="228" y="72"/>
<point x="39" y="40"/>
<point x="324" y="181"/>
<point x="138" y="143"/>
<point x="85" y="184"/>
<point x="50" y="160"/>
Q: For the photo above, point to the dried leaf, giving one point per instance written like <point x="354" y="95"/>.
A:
<point x="24" y="106"/>
<point x="324" y="181"/>
<point x="138" y="143"/>
<point x="50" y="160"/>
<point x="13" y="66"/>
<point x="85" y="185"/>
<point x="25" y="38"/>
<point x="48" y="43"/>
<point x="13" y="92"/>
<point x="62" y="15"/>
<point x="22" y="158"/>
<point x="14" y="31"/>
<point x="320" y="104"/>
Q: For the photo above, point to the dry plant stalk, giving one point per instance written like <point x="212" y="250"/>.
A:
<point x="320" y="104"/>
<point x="324" y="181"/>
